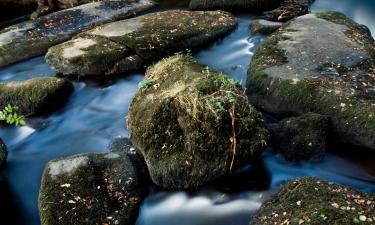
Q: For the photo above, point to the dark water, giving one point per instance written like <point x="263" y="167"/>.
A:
<point x="95" y="115"/>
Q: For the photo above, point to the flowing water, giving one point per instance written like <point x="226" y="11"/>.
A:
<point x="96" y="114"/>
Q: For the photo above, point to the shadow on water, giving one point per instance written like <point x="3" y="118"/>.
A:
<point x="96" y="114"/>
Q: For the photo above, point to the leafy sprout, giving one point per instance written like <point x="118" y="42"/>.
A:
<point x="10" y="115"/>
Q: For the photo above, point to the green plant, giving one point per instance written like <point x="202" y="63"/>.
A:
<point x="144" y="84"/>
<point x="10" y="115"/>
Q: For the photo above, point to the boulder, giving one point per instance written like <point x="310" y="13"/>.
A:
<point x="252" y="5"/>
<point x="264" y="27"/>
<point x="33" y="38"/>
<point x="289" y="9"/>
<point x="300" y="138"/>
<point x="3" y="154"/>
<point x="128" y="45"/>
<point x="92" y="188"/>
<point x="35" y="96"/>
<point x="193" y="124"/>
<point x="312" y="201"/>
<point x="322" y="63"/>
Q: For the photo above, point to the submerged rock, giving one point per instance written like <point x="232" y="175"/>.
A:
<point x="264" y="26"/>
<point x="289" y="9"/>
<point x="322" y="63"/>
<point x="253" y="5"/>
<point x="33" y="38"/>
<point x="91" y="188"/>
<point x="128" y="45"/>
<point x="3" y="154"/>
<point x="193" y="124"/>
<point x="35" y="96"/>
<point x="300" y="138"/>
<point x="313" y="201"/>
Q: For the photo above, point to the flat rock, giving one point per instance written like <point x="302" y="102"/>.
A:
<point x="300" y="138"/>
<point x="264" y="26"/>
<point x="35" y="96"/>
<point x="193" y="124"/>
<point x="91" y="188"/>
<point x="129" y="45"/>
<point x="33" y="38"/>
<point x="322" y="63"/>
<point x="314" y="201"/>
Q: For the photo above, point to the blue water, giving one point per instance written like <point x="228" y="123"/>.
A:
<point x="96" y="114"/>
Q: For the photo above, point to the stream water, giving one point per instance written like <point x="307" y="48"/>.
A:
<point x="96" y="114"/>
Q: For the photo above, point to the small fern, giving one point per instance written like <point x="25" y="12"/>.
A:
<point x="10" y="116"/>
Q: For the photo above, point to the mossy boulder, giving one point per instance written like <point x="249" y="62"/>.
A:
<point x="35" y="96"/>
<point x="93" y="189"/>
<point x="300" y="138"/>
<point x="264" y="27"/>
<point x="33" y="38"/>
<point x="193" y="124"/>
<point x="129" y="45"/>
<point x="3" y="154"/>
<point x="312" y="201"/>
<point x="289" y="9"/>
<point x="322" y="63"/>
<point x="253" y="5"/>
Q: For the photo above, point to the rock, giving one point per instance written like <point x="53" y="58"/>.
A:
<point x="128" y="45"/>
<point x="3" y="154"/>
<point x="91" y="188"/>
<point x="183" y="120"/>
<point x="311" y="201"/>
<point x="322" y="63"/>
<point x="300" y="138"/>
<point x="35" y="96"/>
<point x="264" y="26"/>
<point x="33" y="38"/>
<point x="253" y="5"/>
<point x="289" y="9"/>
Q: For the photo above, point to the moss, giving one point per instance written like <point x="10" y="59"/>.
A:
<point x="102" y="189"/>
<point x="178" y="127"/>
<point x="353" y="119"/>
<point x="35" y="96"/>
<point x="312" y="201"/>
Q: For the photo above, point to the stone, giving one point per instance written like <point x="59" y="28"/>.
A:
<point x="128" y="45"/>
<point x="193" y="124"/>
<point x="33" y="38"/>
<point x="91" y="188"/>
<point x="264" y="27"/>
<point x="321" y="63"/>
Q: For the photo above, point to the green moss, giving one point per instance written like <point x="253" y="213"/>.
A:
<point x="37" y="95"/>
<point x="178" y="126"/>
<point x="312" y="201"/>
<point x="98" y="189"/>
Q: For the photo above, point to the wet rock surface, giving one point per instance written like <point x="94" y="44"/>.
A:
<point x="33" y="38"/>
<point x="35" y="96"/>
<point x="252" y="5"/>
<point x="313" y="201"/>
<point x="91" y="188"/>
<point x="322" y="63"/>
<point x="300" y="138"/>
<point x="129" y="45"/>
<point x="289" y="9"/>
<point x="264" y="27"/>
<point x="192" y="124"/>
<point x="3" y="154"/>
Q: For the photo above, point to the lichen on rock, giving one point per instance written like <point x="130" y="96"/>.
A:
<point x="193" y="124"/>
